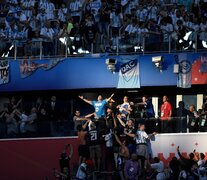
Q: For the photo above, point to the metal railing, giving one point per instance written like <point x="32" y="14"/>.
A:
<point x="118" y="45"/>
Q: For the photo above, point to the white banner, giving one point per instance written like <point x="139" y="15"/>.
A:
<point x="165" y="145"/>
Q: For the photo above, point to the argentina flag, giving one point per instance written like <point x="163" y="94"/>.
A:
<point x="129" y="74"/>
<point x="185" y="66"/>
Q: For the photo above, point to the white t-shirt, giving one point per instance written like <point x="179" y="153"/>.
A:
<point x="152" y="11"/>
<point x="75" y="8"/>
<point x="159" y="167"/>
<point x="62" y="14"/>
<point x="49" y="10"/>
<point x="166" y="29"/>
<point x="80" y="174"/>
<point x="131" y="29"/>
<point x="42" y="18"/>
<point x="116" y="19"/>
<point x="47" y="32"/>
<point x="141" y="14"/>
<point x="28" y="4"/>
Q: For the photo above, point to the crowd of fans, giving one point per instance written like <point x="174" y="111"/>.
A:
<point x="98" y="25"/>
<point x="105" y="154"/>
<point x="111" y="141"/>
<point x="51" y="117"/>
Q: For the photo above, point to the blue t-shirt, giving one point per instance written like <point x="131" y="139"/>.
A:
<point x="100" y="107"/>
<point x="149" y="109"/>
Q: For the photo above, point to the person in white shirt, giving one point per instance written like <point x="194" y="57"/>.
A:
<point x="27" y="6"/>
<point x="47" y="34"/>
<point x="75" y="10"/>
<point x="203" y="26"/>
<point x="41" y="18"/>
<point x="116" y="21"/>
<point x="166" y="29"/>
<point x="49" y="10"/>
<point x="141" y="13"/>
<point x="141" y="33"/>
<point x="21" y="16"/>
<point x="158" y="166"/>
<point x="82" y="172"/>
<point x="152" y="11"/>
<point x="176" y="16"/>
<point x="95" y="6"/>
<point x="62" y="13"/>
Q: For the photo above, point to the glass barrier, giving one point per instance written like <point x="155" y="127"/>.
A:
<point x="21" y="128"/>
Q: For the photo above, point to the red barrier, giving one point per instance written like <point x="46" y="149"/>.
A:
<point x="33" y="159"/>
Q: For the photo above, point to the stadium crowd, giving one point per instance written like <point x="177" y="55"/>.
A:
<point x="51" y="116"/>
<point x="99" y="25"/>
<point x="116" y="143"/>
<point x="105" y="154"/>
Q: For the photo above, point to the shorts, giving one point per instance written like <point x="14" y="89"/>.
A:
<point x="83" y="151"/>
<point x="95" y="151"/>
<point x="142" y="150"/>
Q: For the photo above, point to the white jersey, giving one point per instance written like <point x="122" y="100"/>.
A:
<point x="80" y="173"/>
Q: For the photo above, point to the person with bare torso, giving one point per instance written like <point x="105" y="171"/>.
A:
<point x="83" y="150"/>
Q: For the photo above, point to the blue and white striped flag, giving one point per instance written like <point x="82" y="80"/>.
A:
<point x="129" y="75"/>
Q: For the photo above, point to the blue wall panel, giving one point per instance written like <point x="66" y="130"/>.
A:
<point x="78" y="73"/>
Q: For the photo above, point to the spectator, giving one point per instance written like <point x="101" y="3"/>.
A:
<point x="28" y="7"/>
<point x="166" y="113"/>
<point x="77" y="120"/>
<point x="95" y="6"/>
<point x="109" y="154"/>
<point x="75" y="10"/>
<point x="11" y="123"/>
<point x="53" y="112"/>
<point x="129" y="129"/>
<point x="147" y="107"/>
<point x="83" y="149"/>
<point x="141" y="13"/>
<point x="188" y="163"/>
<point x="174" y="166"/>
<point x="43" y="124"/>
<point x="181" y="113"/>
<point x="122" y="156"/>
<point x="47" y="34"/>
<point x="62" y="14"/>
<point x="90" y="33"/>
<point x="203" y="120"/>
<point x="193" y="119"/>
<point x="166" y="29"/>
<point x="131" y="168"/>
<point x="65" y="159"/>
<point x="41" y="18"/>
<point x="94" y="145"/>
<point x="141" y="138"/>
<point x="82" y="171"/>
<point x="104" y="14"/>
<point x="98" y="105"/>
<point x="158" y="166"/>
<point x="116" y="21"/>
<point x="125" y="108"/>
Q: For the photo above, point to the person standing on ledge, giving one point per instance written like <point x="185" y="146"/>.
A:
<point x="99" y="105"/>
<point x="100" y="109"/>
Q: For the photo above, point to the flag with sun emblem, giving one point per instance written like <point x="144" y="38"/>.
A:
<point x="185" y="66"/>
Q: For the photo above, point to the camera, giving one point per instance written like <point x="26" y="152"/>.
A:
<point x="111" y="64"/>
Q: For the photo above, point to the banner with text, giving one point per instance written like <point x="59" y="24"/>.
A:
<point x="129" y="74"/>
